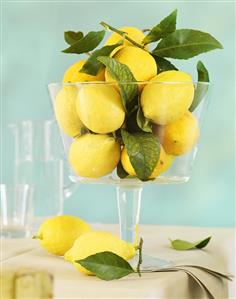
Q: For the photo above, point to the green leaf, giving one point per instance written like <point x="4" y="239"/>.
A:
<point x="131" y="120"/>
<point x="126" y="81"/>
<point x="120" y="171"/>
<point x="164" y="64"/>
<point x="89" y="42"/>
<point x="143" y="123"/>
<point x="182" y="245"/>
<point x="203" y="75"/>
<point x="186" y="43"/>
<point x="72" y="37"/>
<point x="107" y="265"/>
<point x="203" y="243"/>
<point x="185" y="245"/>
<point x="201" y="89"/>
<point x="92" y="65"/>
<point x="143" y="150"/>
<point x="164" y="28"/>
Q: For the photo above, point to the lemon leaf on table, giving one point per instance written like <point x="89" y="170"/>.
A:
<point x="107" y="265"/>
<point x="143" y="123"/>
<point x="186" y="43"/>
<point x="201" y="89"/>
<point x="164" y="64"/>
<point x="122" y="74"/>
<point x="143" y="150"/>
<point x="165" y="27"/>
<point x="92" y="66"/>
<point x="72" y="37"/>
<point x="87" y="43"/>
<point x="185" y="245"/>
<point x="203" y="243"/>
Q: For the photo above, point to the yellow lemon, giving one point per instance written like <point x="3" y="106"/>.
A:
<point x="65" y="111"/>
<point x="95" y="242"/>
<point x="180" y="136"/>
<point x="100" y="108"/>
<point x="140" y="62"/>
<point x="94" y="156"/>
<point x="163" y="163"/>
<point x="72" y="74"/>
<point x="57" y="234"/>
<point x="136" y="34"/>
<point x="167" y="97"/>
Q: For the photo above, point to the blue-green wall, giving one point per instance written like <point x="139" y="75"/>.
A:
<point x="32" y="40"/>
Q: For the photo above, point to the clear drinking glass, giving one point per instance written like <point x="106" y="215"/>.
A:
<point x="39" y="163"/>
<point x="16" y="210"/>
<point x="129" y="189"/>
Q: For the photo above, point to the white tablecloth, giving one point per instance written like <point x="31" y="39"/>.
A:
<point x="69" y="283"/>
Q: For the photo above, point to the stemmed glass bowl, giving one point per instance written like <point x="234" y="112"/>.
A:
<point x="129" y="189"/>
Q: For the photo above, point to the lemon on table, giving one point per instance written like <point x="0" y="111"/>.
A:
<point x="94" y="156"/>
<point x="165" y="102"/>
<point x="180" y="136"/>
<point x="72" y="74"/>
<point x="95" y="242"/>
<point x="65" y="111"/>
<point x="57" y="234"/>
<point x="163" y="163"/>
<point x="100" y="108"/>
<point x="140" y="62"/>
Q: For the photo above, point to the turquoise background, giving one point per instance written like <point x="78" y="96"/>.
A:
<point x="32" y="40"/>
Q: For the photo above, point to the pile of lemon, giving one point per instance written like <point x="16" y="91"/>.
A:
<point x="73" y="238"/>
<point x="98" y="108"/>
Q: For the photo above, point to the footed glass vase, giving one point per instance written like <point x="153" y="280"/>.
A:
<point x="150" y="138"/>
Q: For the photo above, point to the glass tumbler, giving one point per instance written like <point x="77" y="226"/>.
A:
<point x="39" y="163"/>
<point x="16" y="213"/>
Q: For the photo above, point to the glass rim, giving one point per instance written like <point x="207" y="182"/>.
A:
<point x="53" y="84"/>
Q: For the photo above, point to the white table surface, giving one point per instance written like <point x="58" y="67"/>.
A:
<point x="69" y="283"/>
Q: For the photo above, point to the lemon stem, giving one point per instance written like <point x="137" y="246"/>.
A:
<point x="146" y="30"/>
<point x="140" y="256"/>
<point x="37" y="237"/>
<point x="122" y="33"/>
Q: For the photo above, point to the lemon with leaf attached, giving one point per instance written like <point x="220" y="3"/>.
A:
<point x="58" y="234"/>
<point x="167" y="97"/>
<point x="95" y="242"/>
<point x="163" y="163"/>
<point x="142" y="65"/>
<point x="132" y="32"/>
<point x="94" y="155"/>
<point x="73" y="74"/>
